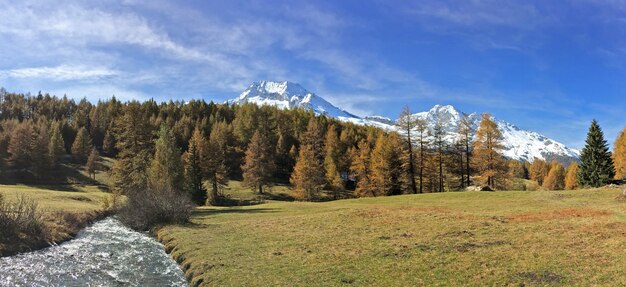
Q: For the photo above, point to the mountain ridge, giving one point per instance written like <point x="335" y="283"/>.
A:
<point x="518" y="144"/>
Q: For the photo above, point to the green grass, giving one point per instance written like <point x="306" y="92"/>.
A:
<point x="450" y="239"/>
<point x="66" y="198"/>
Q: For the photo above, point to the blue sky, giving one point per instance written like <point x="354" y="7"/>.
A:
<point x="547" y="66"/>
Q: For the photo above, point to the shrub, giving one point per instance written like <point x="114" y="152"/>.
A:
<point x="19" y="218"/>
<point x="146" y="209"/>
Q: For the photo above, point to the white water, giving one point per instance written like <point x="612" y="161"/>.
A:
<point x="104" y="254"/>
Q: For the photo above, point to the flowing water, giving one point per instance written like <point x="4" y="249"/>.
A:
<point x="104" y="254"/>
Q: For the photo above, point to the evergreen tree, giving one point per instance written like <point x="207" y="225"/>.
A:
<point x="92" y="163"/>
<point x="596" y="166"/>
<point x="486" y="153"/>
<point x="193" y="171"/>
<point x="407" y="123"/>
<point x="571" y="181"/>
<point x="619" y="155"/>
<point x="259" y="165"/>
<point x="331" y="160"/>
<point x="56" y="146"/>
<point x="82" y="145"/>
<point x="166" y="171"/>
<point x="308" y="175"/>
<point x="361" y="169"/>
<point x="556" y="177"/>
<point x="134" y="143"/>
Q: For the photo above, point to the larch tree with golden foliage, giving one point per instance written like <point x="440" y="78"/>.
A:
<point x="259" y="163"/>
<point x="360" y="168"/>
<point x="619" y="155"/>
<point x="308" y="174"/>
<point x="406" y="124"/>
<point x="556" y="177"/>
<point x="386" y="167"/>
<point x="331" y="161"/>
<point x="487" y="160"/>
<point x="538" y="170"/>
<point x="571" y="181"/>
<point x="215" y="164"/>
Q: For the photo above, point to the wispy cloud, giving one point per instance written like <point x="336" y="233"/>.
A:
<point x="60" y="73"/>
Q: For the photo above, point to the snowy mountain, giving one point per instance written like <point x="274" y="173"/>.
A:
<point x="518" y="144"/>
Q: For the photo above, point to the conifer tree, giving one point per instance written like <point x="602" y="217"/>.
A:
<point x="538" y="170"/>
<point x="331" y="160"/>
<point x="571" y="181"/>
<point x="92" y="163"/>
<point x="166" y="171"/>
<point x="308" y="175"/>
<point x="486" y="153"/>
<point x="108" y="144"/>
<point x="438" y="145"/>
<point x="465" y="131"/>
<point x="314" y="137"/>
<point x="556" y="177"/>
<point x="82" y="145"/>
<point x="216" y="161"/>
<point x="193" y="171"/>
<point x="19" y="148"/>
<point x="516" y="169"/>
<point x="56" y="145"/>
<point x="134" y="143"/>
<point x="422" y="144"/>
<point x="407" y="123"/>
<point x="259" y="165"/>
<point x="596" y="166"/>
<point x="619" y="155"/>
<point x="385" y="167"/>
<point x="360" y="167"/>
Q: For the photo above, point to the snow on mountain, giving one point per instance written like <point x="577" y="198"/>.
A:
<point x="287" y="95"/>
<point x="518" y="144"/>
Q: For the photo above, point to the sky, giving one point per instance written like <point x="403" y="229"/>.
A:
<point x="546" y="66"/>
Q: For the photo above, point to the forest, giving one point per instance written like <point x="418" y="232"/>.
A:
<point x="195" y="147"/>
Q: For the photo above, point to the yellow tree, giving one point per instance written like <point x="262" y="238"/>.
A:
<point x="556" y="177"/>
<point x="486" y="159"/>
<point x="386" y="165"/>
<point x="308" y="174"/>
<point x="259" y="165"/>
<point x="360" y="168"/>
<point x="538" y="170"/>
<point x="619" y="155"/>
<point x="331" y="161"/>
<point x="571" y="180"/>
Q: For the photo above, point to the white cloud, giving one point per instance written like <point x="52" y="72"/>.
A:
<point x="60" y="73"/>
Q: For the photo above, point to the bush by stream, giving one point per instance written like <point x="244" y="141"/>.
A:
<point x="146" y="209"/>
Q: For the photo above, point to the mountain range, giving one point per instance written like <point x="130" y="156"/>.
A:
<point x="518" y="144"/>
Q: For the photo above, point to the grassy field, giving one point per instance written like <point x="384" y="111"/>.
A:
<point x="53" y="198"/>
<point x="516" y="238"/>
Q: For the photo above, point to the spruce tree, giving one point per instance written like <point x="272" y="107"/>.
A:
<point x="619" y="155"/>
<point x="166" y="171"/>
<point x="82" y="145"/>
<point x="596" y="165"/>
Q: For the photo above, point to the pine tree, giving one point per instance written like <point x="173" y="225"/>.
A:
<point x="538" y="170"/>
<point x="308" y="175"/>
<point x="407" y="123"/>
<point x="486" y="153"/>
<point x="92" y="163"/>
<point x="619" y="155"/>
<point x="331" y="158"/>
<point x="259" y="165"/>
<point x="193" y="171"/>
<point x="166" y="171"/>
<point x="596" y="166"/>
<point x="56" y="145"/>
<point x="556" y="177"/>
<point x="360" y="167"/>
<point x="571" y="181"/>
<point x="82" y="145"/>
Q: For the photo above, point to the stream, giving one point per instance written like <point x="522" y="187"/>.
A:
<point x="106" y="253"/>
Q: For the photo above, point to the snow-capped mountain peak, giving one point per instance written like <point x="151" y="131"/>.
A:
<point x="518" y="143"/>
<point x="287" y="95"/>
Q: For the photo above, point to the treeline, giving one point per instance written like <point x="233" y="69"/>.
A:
<point x="196" y="147"/>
